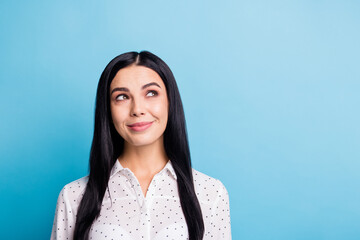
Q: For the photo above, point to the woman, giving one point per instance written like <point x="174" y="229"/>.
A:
<point x="141" y="184"/>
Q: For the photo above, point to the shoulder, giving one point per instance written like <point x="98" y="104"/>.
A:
<point x="72" y="193"/>
<point x="208" y="189"/>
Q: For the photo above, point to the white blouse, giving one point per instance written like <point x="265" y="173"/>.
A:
<point x="127" y="214"/>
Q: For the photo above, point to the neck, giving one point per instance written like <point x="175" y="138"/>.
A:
<point x="144" y="160"/>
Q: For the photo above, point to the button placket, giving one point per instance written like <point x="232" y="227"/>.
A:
<point x="147" y="205"/>
<point x="148" y="197"/>
<point x="137" y="189"/>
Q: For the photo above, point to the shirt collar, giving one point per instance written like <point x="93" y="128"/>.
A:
<point x="118" y="168"/>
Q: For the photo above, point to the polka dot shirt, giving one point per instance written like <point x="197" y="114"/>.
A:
<point x="127" y="214"/>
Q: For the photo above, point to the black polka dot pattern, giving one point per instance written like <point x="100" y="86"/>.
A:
<point x="127" y="214"/>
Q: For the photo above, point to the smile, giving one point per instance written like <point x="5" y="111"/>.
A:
<point x="138" y="127"/>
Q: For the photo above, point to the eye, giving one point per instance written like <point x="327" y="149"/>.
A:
<point x="153" y="93"/>
<point x="121" y="97"/>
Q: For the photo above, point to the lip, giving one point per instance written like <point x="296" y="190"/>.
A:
<point x="140" y="126"/>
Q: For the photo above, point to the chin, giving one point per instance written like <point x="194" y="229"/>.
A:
<point x="141" y="141"/>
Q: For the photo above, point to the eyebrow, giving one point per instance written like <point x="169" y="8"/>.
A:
<point x="124" y="89"/>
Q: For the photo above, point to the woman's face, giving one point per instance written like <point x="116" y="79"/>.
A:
<point x="138" y="96"/>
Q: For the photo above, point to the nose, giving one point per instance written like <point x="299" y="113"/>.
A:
<point x="137" y="108"/>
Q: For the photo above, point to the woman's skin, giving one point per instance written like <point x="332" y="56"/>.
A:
<point x="144" y="153"/>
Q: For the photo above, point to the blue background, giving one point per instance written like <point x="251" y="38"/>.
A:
<point x="270" y="91"/>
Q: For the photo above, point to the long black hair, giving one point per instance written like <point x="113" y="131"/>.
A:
<point x="107" y="146"/>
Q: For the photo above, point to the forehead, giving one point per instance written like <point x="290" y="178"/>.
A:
<point x="135" y="77"/>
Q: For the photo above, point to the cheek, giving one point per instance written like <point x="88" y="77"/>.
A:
<point x="160" y="109"/>
<point x="117" y="116"/>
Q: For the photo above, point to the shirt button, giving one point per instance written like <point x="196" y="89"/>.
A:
<point x="143" y="207"/>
